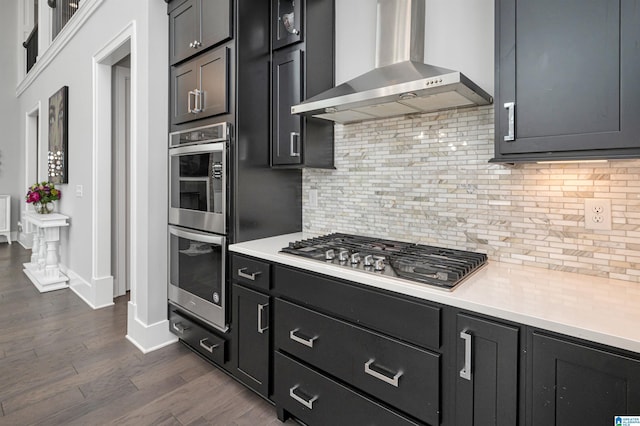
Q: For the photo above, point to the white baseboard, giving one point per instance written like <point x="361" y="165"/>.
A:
<point x="147" y="338"/>
<point x="102" y="291"/>
<point x="85" y="290"/>
<point x="25" y="240"/>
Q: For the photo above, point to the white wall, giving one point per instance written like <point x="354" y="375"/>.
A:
<point x="73" y="67"/>
<point x="458" y="35"/>
<point x="10" y="168"/>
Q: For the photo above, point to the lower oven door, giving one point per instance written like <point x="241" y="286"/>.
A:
<point x="197" y="274"/>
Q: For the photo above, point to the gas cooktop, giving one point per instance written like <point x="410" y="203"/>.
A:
<point x="436" y="266"/>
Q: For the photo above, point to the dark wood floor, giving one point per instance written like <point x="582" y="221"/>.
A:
<point x="62" y="363"/>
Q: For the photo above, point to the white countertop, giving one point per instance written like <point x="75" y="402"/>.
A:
<point x="597" y="309"/>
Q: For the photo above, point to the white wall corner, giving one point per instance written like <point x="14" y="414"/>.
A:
<point x="147" y="337"/>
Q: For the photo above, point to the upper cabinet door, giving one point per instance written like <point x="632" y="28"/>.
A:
<point x="197" y="25"/>
<point x="184" y="82"/>
<point x="199" y="87"/>
<point x="213" y="73"/>
<point x="216" y="22"/>
<point x="287" y="91"/>
<point x="184" y="31"/>
<point x="567" y="78"/>
<point x="287" y="21"/>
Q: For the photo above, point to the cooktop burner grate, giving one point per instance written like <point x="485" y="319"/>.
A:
<point x="436" y="266"/>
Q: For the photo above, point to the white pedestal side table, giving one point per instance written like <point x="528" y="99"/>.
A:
<point x="44" y="269"/>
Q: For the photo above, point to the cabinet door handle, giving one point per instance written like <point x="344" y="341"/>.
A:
<point x="250" y="276"/>
<point x="393" y="381"/>
<point x="178" y="327"/>
<point x="294" y="144"/>
<point x="306" y="342"/>
<point x="198" y="101"/>
<point x="511" y="119"/>
<point x="465" y="373"/>
<point x="261" y="328"/>
<point x="307" y="403"/>
<point x="194" y="94"/>
<point x="208" y="348"/>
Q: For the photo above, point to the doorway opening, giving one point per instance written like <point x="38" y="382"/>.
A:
<point x="113" y="241"/>
<point x="121" y="176"/>
<point x="32" y="173"/>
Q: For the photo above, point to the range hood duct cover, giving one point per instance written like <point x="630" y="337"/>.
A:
<point x="401" y="83"/>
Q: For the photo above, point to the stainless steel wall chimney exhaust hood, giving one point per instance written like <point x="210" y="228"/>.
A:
<point x="401" y="83"/>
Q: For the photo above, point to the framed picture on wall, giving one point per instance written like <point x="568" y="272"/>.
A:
<point x="58" y="136"/>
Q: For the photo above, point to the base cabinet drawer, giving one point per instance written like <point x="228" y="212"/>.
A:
<point x="250" y="272"/>
<point x="402" y="375"/>
<point x="371" y="308"/>
<point x="203" y="341"/>
<point x="318" y="400"/>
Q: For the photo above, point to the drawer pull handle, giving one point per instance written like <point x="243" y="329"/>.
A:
<point x="306" y="403"/>
<point x="206" y="347"/>
<point x="178" y="327"/>
<point x="393" y="381"/>
<point x="251" y="276"/>
<point x="261" y="328"/>
<point x="306" y="342"/>
<point x="465" y="373"/>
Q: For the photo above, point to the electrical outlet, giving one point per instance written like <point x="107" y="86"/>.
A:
<point x="313" y="198"/>
<point x="597" y="214"/>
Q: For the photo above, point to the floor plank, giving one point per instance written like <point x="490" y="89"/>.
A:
<point x="62" y="363"/>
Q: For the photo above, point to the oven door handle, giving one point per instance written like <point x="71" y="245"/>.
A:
<point x="198" y="149"/>
<point x="197" y="236"/>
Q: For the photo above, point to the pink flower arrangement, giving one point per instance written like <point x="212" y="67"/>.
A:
<point x="43" y="192"/>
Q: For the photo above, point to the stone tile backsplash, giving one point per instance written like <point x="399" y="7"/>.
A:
<point x="426" y="179"/>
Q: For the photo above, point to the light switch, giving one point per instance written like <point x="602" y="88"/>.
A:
<point x="79" y="189"/>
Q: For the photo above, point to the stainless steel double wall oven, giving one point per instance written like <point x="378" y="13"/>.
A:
<point x="197" y="221"/>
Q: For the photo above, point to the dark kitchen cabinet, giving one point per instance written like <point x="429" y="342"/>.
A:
<point x="404" y="376"/>
<point x="251" y="338"/>
<point x="486" y="387"/>
<point x="307" y="394"/>
<point x="287" y="22"/>
<point x="199" y="87"/>
<point x="287" y="91"/>
<point x="575" y="384"/>
<point x="567" y="80"/>
<point x="196" y="25"/>
<point x="357" y="336"/>
<point x="300" y="70"/>
<point x="197" y="336"/>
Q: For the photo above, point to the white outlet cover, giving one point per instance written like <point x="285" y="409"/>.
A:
<point x="597" y="214"/>
<point x="313" y="198"/>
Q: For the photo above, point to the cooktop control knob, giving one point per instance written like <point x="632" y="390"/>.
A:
<point x="343" y="255"/>
<point x="330" y="254"/>
<point x="378" y="264"/>
<point x="355" y="258"/>
<point x="368" y="260"/>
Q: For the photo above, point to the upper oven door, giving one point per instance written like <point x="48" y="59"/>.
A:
<point x="213" y="133"/>
<point x="197" y="186"/>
